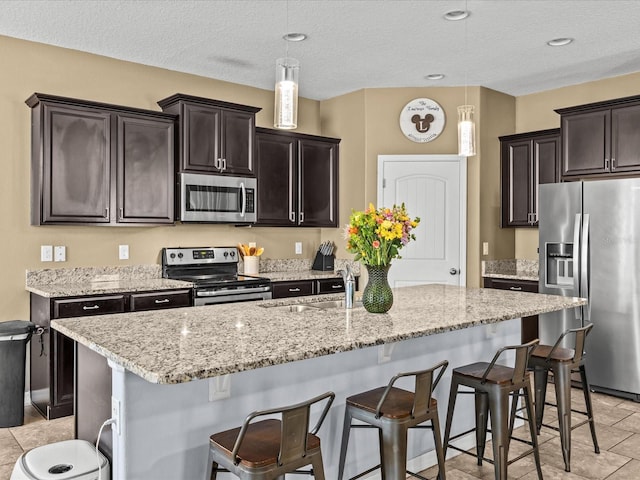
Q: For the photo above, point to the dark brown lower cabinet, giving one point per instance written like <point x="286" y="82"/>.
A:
<point x="529" y="325"/>
<point x="53" y="356"/>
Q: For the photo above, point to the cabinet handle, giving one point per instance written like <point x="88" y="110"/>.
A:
<point x="106" y="212"/>
<point x="165" y="300"/>
<point x="121" y="213"/>
<point x="301" y="217"/>
<point x="294" y="289"/>
<point x="606" y="164"/>
<point x="336" y="286"/>
<point x="292" y="216"/>
<point x="517" y="289"/>
<point x="224" y="164"/>
<point x="613" y="164"/>
<point x="94" y="307"/>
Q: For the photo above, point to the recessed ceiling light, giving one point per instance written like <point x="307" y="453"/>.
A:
<point x="434" y="76"/>
<point x="455" y="15"/>
<point x="295" y="37"/>
<point x="560" y="42"/>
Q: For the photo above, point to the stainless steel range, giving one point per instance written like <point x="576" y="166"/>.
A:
<point x="214" y="272"/>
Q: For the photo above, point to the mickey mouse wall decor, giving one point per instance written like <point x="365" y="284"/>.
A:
<point x="422" y="120"/>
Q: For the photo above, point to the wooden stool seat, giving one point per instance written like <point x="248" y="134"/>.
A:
<point x="559" y="354"/>
<point x="261" y="444"/>
<point x="393" y="411"/>
<point x="398" y="403"/>
<point x="499" y="374"/>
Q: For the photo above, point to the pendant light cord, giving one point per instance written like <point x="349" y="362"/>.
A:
<point x="287" y="32"/>
<point x="466" y="52"/>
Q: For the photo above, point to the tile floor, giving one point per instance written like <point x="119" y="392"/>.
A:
<point x="617" y="427"/>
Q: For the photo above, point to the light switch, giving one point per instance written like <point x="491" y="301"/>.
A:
<point x="298" y="248"/>
<point x="60" y="253"/>
<point x="46" y="253"/>
<point x="485" y="248"/>
<point x="123" y="252"/>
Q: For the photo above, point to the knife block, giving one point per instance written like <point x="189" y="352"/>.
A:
<point x="323" y="262"/>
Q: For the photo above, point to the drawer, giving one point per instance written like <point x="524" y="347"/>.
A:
<point x="66" y="308"/>
<point x="292" y="289"/>
<point x="330" y="285"/>
<point x="513" y="285"/>
<point x="158" y="300"/>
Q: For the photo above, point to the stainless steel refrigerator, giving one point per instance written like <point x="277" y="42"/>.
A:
<point x="590" y="247"/>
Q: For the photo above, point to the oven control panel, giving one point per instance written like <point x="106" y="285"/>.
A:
<point x="199" y="256"/>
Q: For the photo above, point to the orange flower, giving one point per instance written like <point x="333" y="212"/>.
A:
<point x="353" y="230"/>
<point x="376" y="244"/>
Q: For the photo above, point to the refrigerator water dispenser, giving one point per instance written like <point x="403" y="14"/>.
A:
<point x="559" y="271"/>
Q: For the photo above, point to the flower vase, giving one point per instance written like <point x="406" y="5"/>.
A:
<point x="377" y="296"/>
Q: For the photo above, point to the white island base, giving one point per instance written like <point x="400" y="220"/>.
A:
<point x="164" y="428"/>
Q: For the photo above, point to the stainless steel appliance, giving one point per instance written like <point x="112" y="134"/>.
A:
<point x="217" y="198"/>
<point x="589" y="247"/>
<point x="214" y="271"/>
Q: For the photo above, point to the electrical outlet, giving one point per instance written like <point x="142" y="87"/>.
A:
<point x="298" y="248"/>
<point x="115" y="414"/>
<point x="485" y="248"/>
<point x="60" y="253"/>
<point x="46" y="253"/>
<point x="123" y="252"/>
<point x="219" y="388"/>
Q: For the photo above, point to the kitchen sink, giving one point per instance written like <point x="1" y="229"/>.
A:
<point x="300" y="308"/>
<point x="320" y="305"/>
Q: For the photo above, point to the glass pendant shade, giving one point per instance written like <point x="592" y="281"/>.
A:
<point x="285" y="110"/>
<point x="466" y="131"/>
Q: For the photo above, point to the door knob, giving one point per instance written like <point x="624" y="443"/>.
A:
<point x="453" y="271"/>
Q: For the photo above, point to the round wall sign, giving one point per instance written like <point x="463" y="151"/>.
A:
<point x="422" y="120"/>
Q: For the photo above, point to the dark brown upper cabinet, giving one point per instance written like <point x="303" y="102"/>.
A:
<point x="601" y="139"/>
<point x="297" y="179"/>
<point x="527" y="160"/>
<point x="100" y="164"/>
<point x="214" y="136"/>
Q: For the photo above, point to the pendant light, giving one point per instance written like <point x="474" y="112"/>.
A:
<point x="466" y="124"/>
<point x="285" y="111"/>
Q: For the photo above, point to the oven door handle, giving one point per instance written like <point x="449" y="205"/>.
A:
<point x="244" y="199"/>
<point x="237" y="291"/>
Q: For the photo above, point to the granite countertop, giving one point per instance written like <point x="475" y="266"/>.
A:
<point x="513" y="269"/>
<point x="184" y="344"/>
<point x="57" y="290"/>
<point x="299" y="275"/>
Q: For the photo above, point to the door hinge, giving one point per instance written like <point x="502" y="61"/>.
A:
<point x="384" y="183"/>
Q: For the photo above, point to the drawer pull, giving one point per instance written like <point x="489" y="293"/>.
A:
<point x="294" y="289"/>
<point x="94" y="307"/>
<point x="517" y="289"/>
<point x="165" y="300"/>
<point x="337" y="286"/>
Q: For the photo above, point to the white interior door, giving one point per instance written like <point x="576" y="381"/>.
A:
<point x="433" y="187"/>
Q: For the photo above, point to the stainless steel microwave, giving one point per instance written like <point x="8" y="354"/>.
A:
<point x="217" y="198"/>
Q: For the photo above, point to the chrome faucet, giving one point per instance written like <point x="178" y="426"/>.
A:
<point x="349" y="285"/>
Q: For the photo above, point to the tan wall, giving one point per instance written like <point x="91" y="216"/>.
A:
<point x="536" y="112"/>
<point x="31" y="67"/>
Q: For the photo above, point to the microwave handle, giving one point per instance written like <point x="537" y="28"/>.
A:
<point x="244" y="199"/>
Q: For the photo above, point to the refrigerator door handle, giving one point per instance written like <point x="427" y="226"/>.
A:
<point x="584" y="266"/>
<point x="576" y="262"/>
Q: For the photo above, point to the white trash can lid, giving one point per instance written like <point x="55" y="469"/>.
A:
<point x="62" y="460"/>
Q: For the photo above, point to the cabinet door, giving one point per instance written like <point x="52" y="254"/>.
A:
<point x="77" y="165"/>
<point x="625" y="139"/>
<point x="546" y="166"/>
<point x="145" y="170"/>
<point x="585" y="143"/>
<point x="276" y="172"/>
<point x="318" y="183"/>
<point x="238" y="129"/>
<point x="201" y="145"/>
<point x="62" y="375"/>
<point x="517" y="181"/>
<point x="81" y="307"/>
<point x="330" y="285"/>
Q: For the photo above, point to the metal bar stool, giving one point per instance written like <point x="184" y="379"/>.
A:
<point x="563" y="362"/>
<point x="393" y="411"/>
<point x="492" y="386"/>
<point x="268" y="449"/>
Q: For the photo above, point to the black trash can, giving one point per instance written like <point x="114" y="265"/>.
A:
<point x="14" y="336"/>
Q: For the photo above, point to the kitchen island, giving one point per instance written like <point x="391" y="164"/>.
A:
<point x="180" y="375"/>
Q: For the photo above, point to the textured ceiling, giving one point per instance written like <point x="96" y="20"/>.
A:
<point x="352" y="44"/>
